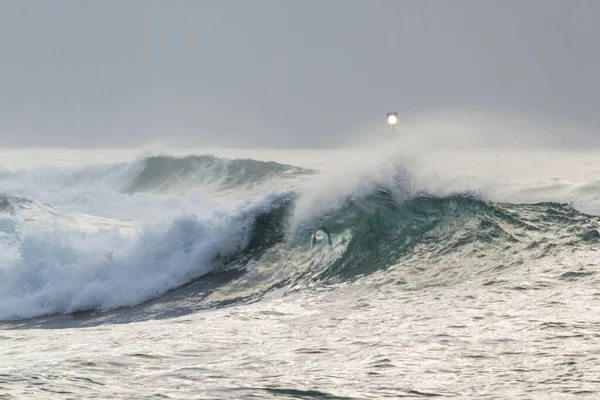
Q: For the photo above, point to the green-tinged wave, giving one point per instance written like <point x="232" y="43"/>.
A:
<point x="164" y="172"/>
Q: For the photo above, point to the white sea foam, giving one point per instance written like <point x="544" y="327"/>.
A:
<point x="48" y="266"/>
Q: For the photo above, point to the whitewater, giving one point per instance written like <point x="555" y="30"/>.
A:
<point x="164" y="273"/>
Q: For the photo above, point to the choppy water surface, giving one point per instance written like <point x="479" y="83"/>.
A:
<point x="198" y="277"/>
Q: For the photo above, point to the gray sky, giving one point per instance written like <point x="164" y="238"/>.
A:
<point x="305" y="73"/>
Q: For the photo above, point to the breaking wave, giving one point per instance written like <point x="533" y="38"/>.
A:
<point x="55" y="261"/>
<point x="51" y="267"/>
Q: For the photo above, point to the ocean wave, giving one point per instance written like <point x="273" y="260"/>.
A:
<point x="373" y="220"/>
<point x="153" y="174"/>
<point x="424" y="240"/>
<point x="163" y="173"/>
<point x="49" y="268"/>
<point x="441" y="239"/>
<point x="150" y="187"/>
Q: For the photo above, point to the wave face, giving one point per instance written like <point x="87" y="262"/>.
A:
<point x="164" y="173"/>
<point x="134" y="237"/>
<point x="438" y="240"/>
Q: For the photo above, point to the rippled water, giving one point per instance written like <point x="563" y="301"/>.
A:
<point x="369" y="340"/>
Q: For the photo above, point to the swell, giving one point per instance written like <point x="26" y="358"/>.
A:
<point x="161" y="173"/>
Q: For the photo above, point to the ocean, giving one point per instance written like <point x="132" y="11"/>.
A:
<point x="376" y="272"/>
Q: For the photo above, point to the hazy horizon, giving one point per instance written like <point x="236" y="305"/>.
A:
<point x="292" y="74"/>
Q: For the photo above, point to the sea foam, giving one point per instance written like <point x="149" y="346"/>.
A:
<point x="49" y="267"/>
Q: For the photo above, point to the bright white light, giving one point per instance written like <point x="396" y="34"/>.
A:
<point x="392" y="119"/>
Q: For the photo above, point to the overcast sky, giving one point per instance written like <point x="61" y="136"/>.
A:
<point x="304" y="73"/>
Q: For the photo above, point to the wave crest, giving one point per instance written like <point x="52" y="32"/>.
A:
<point x="163" y="173"/>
